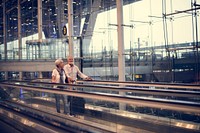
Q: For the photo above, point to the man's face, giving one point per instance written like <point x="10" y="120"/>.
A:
<point x="71" y="61"/>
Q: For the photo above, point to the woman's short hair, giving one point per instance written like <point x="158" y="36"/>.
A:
<point x="58" y="61"/>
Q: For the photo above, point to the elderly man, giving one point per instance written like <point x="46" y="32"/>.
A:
<point x="77" y="104"/>
<point x="72" y="71"/>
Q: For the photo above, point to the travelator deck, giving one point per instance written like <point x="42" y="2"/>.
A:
<point x="110" y="106"/>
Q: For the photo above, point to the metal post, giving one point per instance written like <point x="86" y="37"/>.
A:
<point x="20" y="76"/>
<point x="70" y="27"/>
<point x="120" y="30"/>
<point x="121" y="59"/>
<point x="81" y="53"/>
<point x="197" y="41"/>
<point x="39" y="20"/>
<point x="59" y="4"/>
<point x="39" y="26"/>
<point x="6" y="75"/>
<point x="40" y="75"/>
<point x="19" y="31"/>
<point x="4" y="30"/>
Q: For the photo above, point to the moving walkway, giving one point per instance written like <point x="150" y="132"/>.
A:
<point x="110" y="106"/>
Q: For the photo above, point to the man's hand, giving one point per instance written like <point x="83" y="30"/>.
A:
<point x="70" y="80"/>
<point x="88" y="78"/>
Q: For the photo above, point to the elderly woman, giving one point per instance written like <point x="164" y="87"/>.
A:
<point x="59" y="76"/>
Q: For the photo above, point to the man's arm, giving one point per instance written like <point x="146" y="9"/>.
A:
<point x="83" y="76"/>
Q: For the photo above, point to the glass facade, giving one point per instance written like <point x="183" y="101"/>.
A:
<point x="161" y="38"/>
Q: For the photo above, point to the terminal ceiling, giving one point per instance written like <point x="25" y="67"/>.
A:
<point x="54" y="15"/>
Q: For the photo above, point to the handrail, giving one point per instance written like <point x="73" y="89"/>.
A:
<point x="135" y="83"/>
<point x="163" y="92"/>
<point x="191" y="107"/>
<point x="146" y="84"/>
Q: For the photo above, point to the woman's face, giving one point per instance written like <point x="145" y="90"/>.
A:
<point x="61" y="65"/>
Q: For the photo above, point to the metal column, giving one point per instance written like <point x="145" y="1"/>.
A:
<point x="70" y="27"/>
<point x="60" y="18"/>
<point x="19" y="30"/>
<point x="120" y="31"/>
<point x="20" y="75"/>
<point x="40" y="20"/>
<point x="40" y="75"/>
<point x="121" y="59"/>
<point x="39" y="27"/>
<point x="6" y="75"/>
<point x="4" y="30"/>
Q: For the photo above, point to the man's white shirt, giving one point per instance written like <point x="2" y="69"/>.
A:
<point x="73" y="71"/>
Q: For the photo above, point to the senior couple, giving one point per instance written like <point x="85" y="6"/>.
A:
<point x="59" y="74"/>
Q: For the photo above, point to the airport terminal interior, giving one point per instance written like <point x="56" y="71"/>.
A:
<point x="142" y="56"/>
